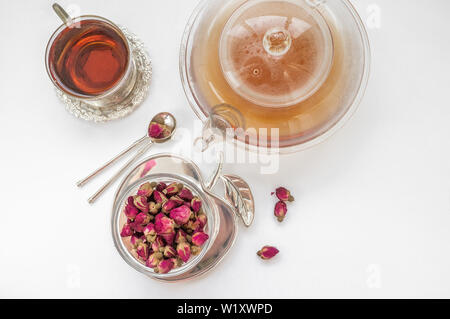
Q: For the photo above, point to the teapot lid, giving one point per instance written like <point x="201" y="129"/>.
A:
<point x="276" y="53"/>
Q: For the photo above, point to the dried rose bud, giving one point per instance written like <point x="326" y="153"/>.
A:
<point x="126" y="231"/>
<point x="171" y="190"/>
<point x="177" y="262"/>
<point x="196" y="204"/>
<point x="202" y="220"/>
<point x="185" y="194"/>
<point x="195" y="250"/>
<point x="169" y="252"/>
<point x="199" y="238"/>
<point x="145" y="190"/>
<point x="150" y="232"/>
<point x="165" y="266"/>
<point x="158" y="244"/>
<point x="153" y="208"/>
<point x="131" y="211"/>
<point x="159" y="197"/>
<point x="180" y="236"/>
<point x="163" y="223"/>
<point x="280" y="210"/>
<point x="194" y="226"/>
<point x="142" y="251"/>
<point x="161" y="186"/>
<point x="141" y="203"/>
<point x="180" y="215"/>
<point x="135" y="241"/>
<point x="142" y="219"/>
<point x="165" y="227"/>
<point x="184" y="251"/>
<point x="283" y="194"/>
<point x="267" y="252"/>
<point x="188" y="204"/>
<point x="155" y="130"/>
<point x="177" y="200"/>
<point x="130" y="200"/>
<point x="153" y="260"/>
<point x="137" y="227"/>
<point x="168" y="206"/>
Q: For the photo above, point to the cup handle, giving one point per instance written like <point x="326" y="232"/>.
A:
<point x="62" y="14"/>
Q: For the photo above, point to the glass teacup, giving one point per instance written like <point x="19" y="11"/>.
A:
<point x="89" y="58"/>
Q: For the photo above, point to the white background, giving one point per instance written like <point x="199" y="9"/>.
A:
<point x="372" y="216"/>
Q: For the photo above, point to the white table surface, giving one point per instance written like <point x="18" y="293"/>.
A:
<point x="372" y="215"/>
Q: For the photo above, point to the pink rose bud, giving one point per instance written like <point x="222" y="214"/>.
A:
<point x="150" y="232"/>
<point x="283" y="194"/>
<point x="159" y="197"/>
<point x="202" y="220"/>
<point x="137" y="227"/>
<point x="168" y="237"/>
<point x="267" y="252"/>
<point x="280" y="210"/>
<point x="126" y="231"/>
<point x="155" y="130"/>
<point x="141" y="203"/>
<point x="196" y="204"/>
<point x="153" y="260"/>
<point x="168" y="206"/>
<point x="149" y="229"/>
<point x="184" y="251"/>
<point x="180" y="215"/>
<point x="131" y="211"/>
<point x="195" y="250"/>
<point x="185" y="194"/>
<point x="163" y="223"/>
<point x="172" y="189"/>
<point x="153" y="208"/>
<point x="142" y="251"/>
<point x="169" y="252"/>
<point x="177" y="262"/>
<point x="135" y="241"/>
<point x="188" y="204"/>
<point x="161" y="186"/>
<point x="199" y="238"/>
<point x="158" y="244"/>
<point x="142" y="219"/>
<point x="145" y="190"/>
<point x="180" y="236"/>
<point x="165" y="266"/>
<point x="165" y="227"/>
<point x="130" y="200"/>
<point x="177" y="200"/>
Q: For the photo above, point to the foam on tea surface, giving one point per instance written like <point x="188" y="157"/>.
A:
<point x="275" y="53"/>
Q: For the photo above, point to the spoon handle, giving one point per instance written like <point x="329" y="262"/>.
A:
<point x="84" y="181"/>
<point x="141" y="152"/>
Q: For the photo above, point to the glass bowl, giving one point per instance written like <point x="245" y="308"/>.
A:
<point x="290" y="128"/>
<point x="221" y="226"/>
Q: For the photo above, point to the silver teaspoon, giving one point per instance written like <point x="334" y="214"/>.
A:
<point x="163" y="118"/>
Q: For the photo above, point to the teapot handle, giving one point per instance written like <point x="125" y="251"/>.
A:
<point x="237" y="192"/>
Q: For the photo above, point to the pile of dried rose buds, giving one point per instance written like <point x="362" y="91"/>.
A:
<point x="165" y="223"/>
